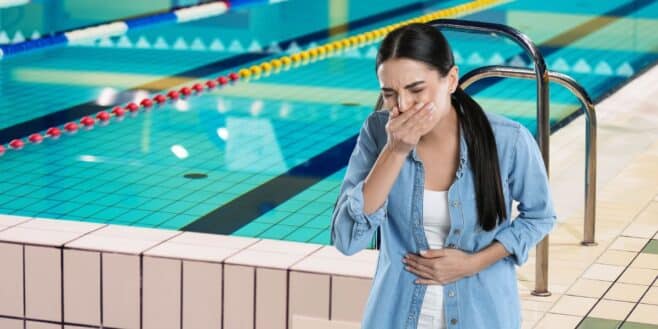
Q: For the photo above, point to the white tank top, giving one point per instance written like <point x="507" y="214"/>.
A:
<point x="436" y="223"/>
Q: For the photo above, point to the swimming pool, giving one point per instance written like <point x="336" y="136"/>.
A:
<point x="265" y="157"/>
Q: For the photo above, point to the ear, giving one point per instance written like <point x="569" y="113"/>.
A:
<point x="453" y="78"/>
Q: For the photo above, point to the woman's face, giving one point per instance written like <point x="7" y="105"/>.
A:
<point x="405" y="82"/>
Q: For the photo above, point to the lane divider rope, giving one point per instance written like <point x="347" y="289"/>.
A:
<point x="86" y="34"/>
<point x="253" y="72"/>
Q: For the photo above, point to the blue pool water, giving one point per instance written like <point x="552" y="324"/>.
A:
<point x="271" y="152"/>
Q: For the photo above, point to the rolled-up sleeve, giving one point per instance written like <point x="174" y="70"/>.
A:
<point x="351" y="228"/>
<point x="528" y="183"/>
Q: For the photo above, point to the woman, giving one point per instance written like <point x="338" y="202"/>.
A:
<point x="439" y="175"/>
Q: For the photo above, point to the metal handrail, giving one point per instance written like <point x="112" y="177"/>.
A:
<point x="498" y="71"/>
<point x="543" y="114"/>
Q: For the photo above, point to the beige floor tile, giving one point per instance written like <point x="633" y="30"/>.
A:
<point x="348" y="297"/>
<point x="573" y="305"/>
<point x="557" y="288"/>
<point x="271" y="298"/>
<point x="553" y="321"/>
<point x="649" y="215"/>
<point x="19" y="234"/>
<point x="202" y="285"/>
<point x="589" y="288"/>
<point x="526" y="294"/>
<point x="611" y="310"/>
<point x="121" y="301"/>
<point x="239" y="291"/>
<point x="11" y="282"/>
<point x="640" y="230"/>
<point x="82" y="287"/>
<point x="273" y="254"/>
<point x="530" y="318"/>
<point x="533" y="305"/>
<point x="308" y="295"/>
<point x="616" y="257"/>
<point x="646" y="260"/>
<point x="603" y="272"/>
<point x="625" y="292"/>
<point x="329" y="260"/>
<point x="43" y="290"/>
<point x="304" y="322"/>
<point x="651" y="297"/>
<point x="214" y="240"/>
<point x="573" y="252"/>
<point x="10" y="220"/>
<point x="11" y="323"/>
<point x="639" y="276"/>
<point x="644" y="313"/>
<point x="196" y="252"/>
<point x="565" y="275"/>
<point x="161" y="293"/>
<point x="628" y="244"/>
<point x="61" y="225"/>
<point x="41" y="325"/>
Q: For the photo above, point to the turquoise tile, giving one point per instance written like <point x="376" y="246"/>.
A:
<point x="252" y="230"/>
<point x="320" y="222"/>
<point x="178" y="222"/>
<point x="277" y="232"/>
<point x="303" y="234"/>
<point x="324" y="237"/>
<point x="109" y="213"/>
<point x="177" y="207"/>
<point x="297" y="219"/>
<point x="155" y="219"/>
<point x="133" y="215"/>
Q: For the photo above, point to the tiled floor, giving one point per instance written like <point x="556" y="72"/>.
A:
<point x="613" y="284"/>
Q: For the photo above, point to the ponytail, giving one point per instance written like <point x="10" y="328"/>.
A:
<point x="483" y="157"/>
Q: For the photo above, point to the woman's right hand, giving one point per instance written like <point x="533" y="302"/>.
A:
<point x="404" y="129"/>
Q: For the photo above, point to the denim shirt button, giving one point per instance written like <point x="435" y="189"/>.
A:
<point x="453" y="321"/>
<point x="452" y="245"/>
<point x="451" y="293"/>
<point x="457" y="231"/>
<point x="455" y="204"/>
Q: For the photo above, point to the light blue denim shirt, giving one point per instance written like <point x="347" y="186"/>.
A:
<point x="486" y="300"/>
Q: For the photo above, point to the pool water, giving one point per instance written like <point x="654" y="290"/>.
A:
<point x="265" y="157"/>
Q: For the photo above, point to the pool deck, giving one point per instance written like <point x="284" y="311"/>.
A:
<point x="617" y="279"/>
<point x="85" y="275"/>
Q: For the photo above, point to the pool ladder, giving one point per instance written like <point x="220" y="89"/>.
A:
<point x="543" y="76"/>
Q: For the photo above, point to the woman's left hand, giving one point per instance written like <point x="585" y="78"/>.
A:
<point x="441" y="266"/>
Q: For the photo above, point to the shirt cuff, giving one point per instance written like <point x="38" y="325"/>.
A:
<point x="356" y="209"/>
<point x="514" y="246"/>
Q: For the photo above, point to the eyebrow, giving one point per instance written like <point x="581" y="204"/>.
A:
<point x="409" y="86"/>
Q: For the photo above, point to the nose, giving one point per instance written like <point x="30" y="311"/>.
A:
<point x="404" y="102"/>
